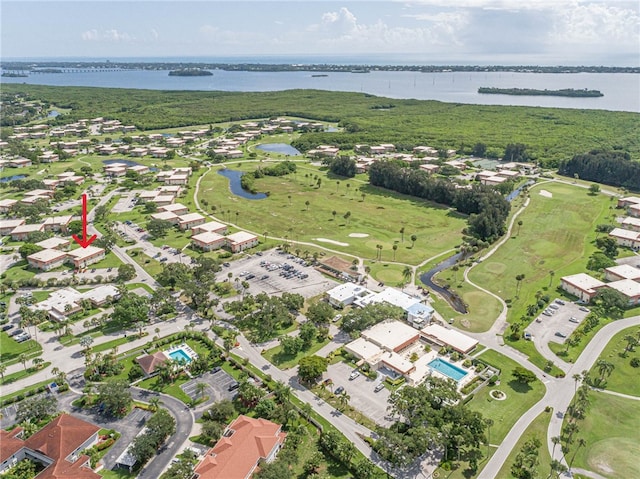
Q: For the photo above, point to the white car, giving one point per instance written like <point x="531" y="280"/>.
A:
<point x="354" y="375"/>
<point x="337" y="318"/>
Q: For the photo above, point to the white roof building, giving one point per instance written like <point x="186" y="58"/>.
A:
<point x="391" y="335"/>
<point x="449" y="337"/>
<point x="622" y="271"/>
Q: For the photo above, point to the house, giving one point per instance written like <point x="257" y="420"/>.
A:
<point x="628" y="201"/>
<point x="6" y="205"/>
<point x="163" y="200"/>
<point x="629" y="289"/>
<point x="626" y="237"/>
<point x="116" y="171"/>
<point x="107" y="150"/>
<point x="20" y="162"/>
<point x="436" y="334"/>
<point x="47" y="259"/>
<point x="177" y="179"/>
<point x="54" y="243"/>
<point x="634" y="210"/>
<point x="166" y="216"/>
<point x="7" y="226"/>
<point x="244" y="444"/>
<point x="628" y="223"/>
<point x="209" y="241"/>
<point x="158" y="152"/>
<point x="58" y="223"/>
<point x="150" y="362"/>
<point x="622" y="271"/>
<point x="190" y="220"/>
<point x="175" y="208"/>
<point x="139" y="151"/>
<point x="30" y="200"/>
<point x="140" y="169"/>
<point x="174" y="190"/>
<point x="46" y="193"/>
<point x="581" y="285"/>
<point x="241" y="241"/>
<point x="83" y="257"/>
<point x="20" y="233"/>
<point x="48" y="157"/>
<point x="57" y="446"/>
<point x="210" y="227"/>
<point x="431" y="169"/>
<point x="51" y="184"/>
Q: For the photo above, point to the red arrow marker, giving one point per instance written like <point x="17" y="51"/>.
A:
<point x="84" y="241"/>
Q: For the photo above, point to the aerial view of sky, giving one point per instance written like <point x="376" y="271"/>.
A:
<point x="531" y="32"/>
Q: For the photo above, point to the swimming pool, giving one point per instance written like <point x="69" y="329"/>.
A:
<point x="180" y="355"/>
<point x="448" y="369"/>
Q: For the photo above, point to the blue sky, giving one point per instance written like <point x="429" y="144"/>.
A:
<point x="546" y="32"/>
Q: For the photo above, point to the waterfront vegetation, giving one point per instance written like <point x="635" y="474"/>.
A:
<point x="570" y="92"/>
<point x="552" y="134"/>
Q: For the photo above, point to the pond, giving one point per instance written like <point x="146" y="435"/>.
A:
<point x="53" y="113"/>
<point x="279" y="148"/>
<point x="236" y="187"/>
<point x="12" y="178"/>
<point x="121" y="160"/>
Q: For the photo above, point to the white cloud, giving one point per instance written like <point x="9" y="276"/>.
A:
<point x="342" y="28"/>
<point x="111" y="35"/>
<point x="597" y="23"/>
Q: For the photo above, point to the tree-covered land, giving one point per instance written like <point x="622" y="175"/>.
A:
<point x="552" y="134"/>
<point x="609" y="167"/>
<point x="571" y="92"/>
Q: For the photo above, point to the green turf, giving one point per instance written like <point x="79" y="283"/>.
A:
<point x="612" y="433"/>
<point x="283" y="361"/>
<point x="624" y="378"/>
<point x="11" y="350"/>
<point x="12" y="378"/>
<point x="380" y="215"/>
<point x="520" y="397"/>
<point x="537" y="429"/>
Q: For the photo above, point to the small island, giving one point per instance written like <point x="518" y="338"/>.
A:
<point x="190" y="72"/>
<point x="14" y="75"/>
<point x="533" y="92"/>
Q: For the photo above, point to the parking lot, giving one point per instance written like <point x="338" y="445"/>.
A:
<point x="165" y="254"/>
<point x="265" y="272"/>
<point x="125" y="203"/>
<point x="372" y="404"/>
<point x="559" y="325"/>
<point x="217" y="386"/>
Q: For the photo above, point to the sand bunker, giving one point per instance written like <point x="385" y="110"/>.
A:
<point x="337" y="243"/>
<point x="546" y="194"/>
<point x="358" y="235"/>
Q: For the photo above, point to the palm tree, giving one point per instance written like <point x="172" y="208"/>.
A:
<point x="337" y="185"/>
<point x="3" y="369"/>
<point x="37" y="362"/>
<point x="379" y="248"/>
<point x="604" y="368"/>
<point x="581" y="443"/>
<point x="334" y="213"/>
<point x="407" y="273"/>
<point x="200" y="389"/>
<point x="154" y="403"/>
<point x="347" y="215"/>
<point x="23" y="360"/>
<point x="265" y="235"/>
<point x="363" y="196"/>
<point x="307" y="203"/>
<point x="289" y="197"/>
<point x="519" y="279"/>
<point x="519" y="226"/>
<point x="632" y="342"/>
<point x="402" y="234"/>
<point x="348" y="186"/>
<point x="306" y="408"/>
<point x="86" y="342"/>
<point x="395" y="248"/>
<point x="551" y="275"/>
<point x="413" y="240"/>
<point x="344" y="400"/>
<point x="282" y="391"/>
<point x="489" y="423"/>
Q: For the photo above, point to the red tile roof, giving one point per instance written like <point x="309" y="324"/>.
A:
<point x="58" y="440"/>
<point x="235" y="456"/>
<point x="9" y="443"/>
<point x="150" y="362"/>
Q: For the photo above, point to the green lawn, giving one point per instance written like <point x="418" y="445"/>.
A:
<point x="11" y="378"/>
<point x="11" y="350"/>
<point x="537" y="429"/>
<point x="283" y="361"/>
<point x="624" y="378"/>
<point x="144" y="286"/>
<point x="556" y="235"/>
<point x="390" y="274"/>
<point x="520" y="397"/>
<point x="570" y="353"/>
<point x="380" y="216"/>
<point x="23" y="391"/>
<point x="17" y="272"/>
<point x="109" y="261"/>
<point x="150" y="265"/>
<point x="612" y="433"/>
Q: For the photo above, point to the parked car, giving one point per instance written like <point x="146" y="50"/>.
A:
<point x="527" y="336"/>
<point x="546" y="313"/>
<point x="337" y="318"/>
<point x="559" y="301"/>
<point x="353" y="375"/>
<point x="216" y="369"/>
<point x="554" y="306"/>
<point x="379" y="387"/>
<point x="226" y="264"/>
<point x="250" y="276"/>
<point x="560" y="334"/>
<point x="162" y="260"/>
<point x="574" y="320"/>
<point x="259" y="253"/>
<point x="582" y="308"/>
<point x="339" y="390"/>
<point x="16" y="332"/>
<point x="7" y="327"/>
<point x="233" y="386"/>
<point x="264" y="276"/>
<point x="21" y="338"/>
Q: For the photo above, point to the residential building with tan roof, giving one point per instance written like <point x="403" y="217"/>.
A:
<point x="6" y="205"/>
<point x="7" y="226"/>
<point x="209" y="241"/>
<point x="210" y="227"/>
<point x="20" y="233"/>
<point x="243" y="446"/>
<point x="47" y="259"/>
<point x="188" y="221"/>
<point x="166" y="216"/>
<point x="241" y="241"/>
<point x="83" y="257"/>
<point x="175" y="208"/>
<point x="150" y="362"/>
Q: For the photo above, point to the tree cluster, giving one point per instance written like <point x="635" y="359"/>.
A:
<point x="264" y="315"/>
<point x="609" y="167"/>
<point x="488" y="209"/>
<point x="160" y="426"/>
<point x="359" y="319"/>
<point x="431" y="415"/>
<point x="343" y="166"/>
<point x="114" y="397"/>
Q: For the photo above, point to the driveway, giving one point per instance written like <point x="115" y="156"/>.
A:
<point x="363" y="398"/>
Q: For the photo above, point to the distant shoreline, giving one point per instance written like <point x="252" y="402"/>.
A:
<point x="310" y="67"/>
<point x="190" y="72"/>
<point x="569" y="92"/>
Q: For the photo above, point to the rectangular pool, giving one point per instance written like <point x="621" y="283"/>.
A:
<point x="180" y="356"/>
<point x="448" y="369"/>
